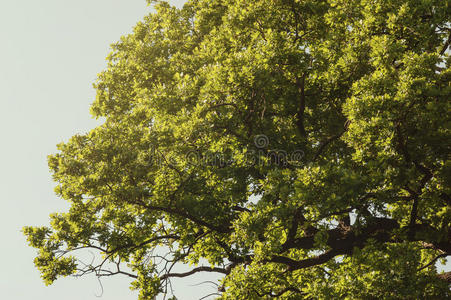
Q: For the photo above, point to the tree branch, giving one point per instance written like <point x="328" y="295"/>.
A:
<point x="325" y="143"/>
<point x="434" y="260"/>
<point x="181" y="213"/>
<point x="134" y="246"/>
<point x="280" y="293"/>
<point x="446" y="45"/>
<point x="445" y="277"/>
<point x="300" y="83"/>
<point x="193" y="271"/>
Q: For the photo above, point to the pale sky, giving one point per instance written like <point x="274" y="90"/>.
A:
<point x="50" y="53"/>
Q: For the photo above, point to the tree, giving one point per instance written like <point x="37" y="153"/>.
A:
<point x="299" y="148"/>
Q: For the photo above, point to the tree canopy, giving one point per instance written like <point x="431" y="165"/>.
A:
<point x="300" y="148"/>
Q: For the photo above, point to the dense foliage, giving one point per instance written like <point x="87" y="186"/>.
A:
<point x="301" y="148"/>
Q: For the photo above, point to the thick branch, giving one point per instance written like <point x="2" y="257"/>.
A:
<point x="445" y="277"/>
<point x="309" y="262"/>
<point x="341" y="240"/>
<point x="413" y="216"/>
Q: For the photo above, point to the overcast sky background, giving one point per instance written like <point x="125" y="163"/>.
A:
<point x="50" y="54"/>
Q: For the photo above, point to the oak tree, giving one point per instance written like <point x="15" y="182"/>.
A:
<point x="300" y="148"/>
